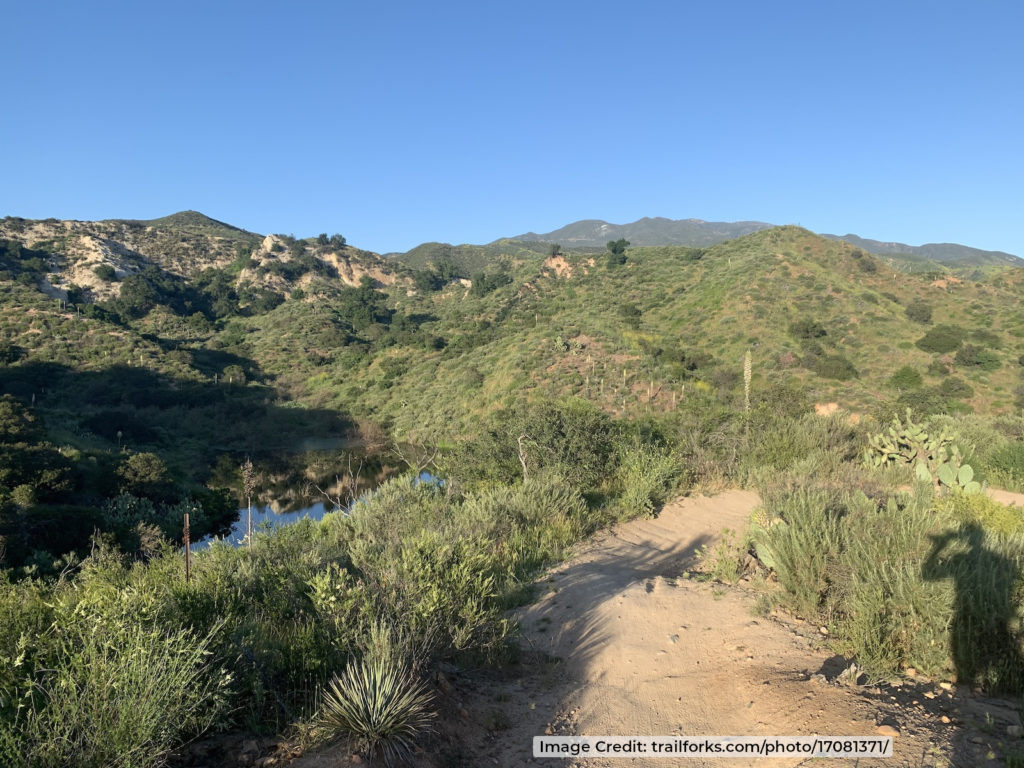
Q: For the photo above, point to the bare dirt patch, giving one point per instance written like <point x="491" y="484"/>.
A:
<point x="559" y="265"/>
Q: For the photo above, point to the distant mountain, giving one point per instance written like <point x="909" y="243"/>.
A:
<point x="950" y="254"/>
<point x="591" y="233"/>
<point x="594" y="233"/>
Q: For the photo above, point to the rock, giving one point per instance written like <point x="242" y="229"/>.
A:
<point x="946" y="686"/>
<point x="823" y="630"/>
<point x="911" y="672"/>
<point x="548" y="731"/>
<point x="945" y="719"/>
<point x="1013" y="730"/>
<point x="887" y="730"/>
<point x="849" y="676"/>
<point x="819" y="679"/>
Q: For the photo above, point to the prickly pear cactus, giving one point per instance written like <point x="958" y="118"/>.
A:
<point x="935" y="458"/>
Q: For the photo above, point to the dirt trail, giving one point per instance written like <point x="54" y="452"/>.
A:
<point x="621" y="645"/>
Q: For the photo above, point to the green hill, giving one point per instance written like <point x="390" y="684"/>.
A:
<point x="673" y="321"/>
<point x="247" y="348"/>
<point x="470" y="259"/>
<point x="425" y="357"/>
<point x="593" y="233"/>
<point x="193" y="222"/>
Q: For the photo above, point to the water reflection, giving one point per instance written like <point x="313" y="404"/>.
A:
<point x="264" y="519"/>
<point x="268" y="517"/>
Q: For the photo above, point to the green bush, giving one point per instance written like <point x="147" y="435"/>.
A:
<point x="648" y="476"/>
<point x="835" y="367"/>
<point x="919" y="312"/>
<point x="977" y="508"/>
<point x="572" y="439"/>
<point x="803" y="538"/>
<point x="956" y="387"/>
<point x="107" y="683"/>
<point x="904" y="582"/>
<point x="942" y="339"/>
<point x="977" y="357"/>
<point x="807" y="328"/>
<point x="906" y="378"/>
<point x="1006" y="465"/>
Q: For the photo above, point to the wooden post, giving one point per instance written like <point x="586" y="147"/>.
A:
<point x="188" y="553"/>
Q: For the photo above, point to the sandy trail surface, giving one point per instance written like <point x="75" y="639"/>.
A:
<point x="622" y="644"/>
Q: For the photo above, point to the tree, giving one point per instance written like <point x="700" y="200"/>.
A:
<point x="447" y="269"/>
<point x="137" y="297"/>
<point x="337" y="241"/>
<point x="322" y="239"/>
<point x="145" y="475"/>
<point x="617" y="251"/>
<point x="555" y="249"/>
<point x="234" y="374"/>
<point x="105" y="272"/>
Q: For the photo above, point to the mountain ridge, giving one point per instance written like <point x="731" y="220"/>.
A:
<point x="654" y="231"/>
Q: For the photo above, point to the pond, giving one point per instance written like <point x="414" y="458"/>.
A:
<point x="265" y="518"/>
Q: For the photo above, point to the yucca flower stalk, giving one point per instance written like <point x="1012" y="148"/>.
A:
<point x="747" y="371"/>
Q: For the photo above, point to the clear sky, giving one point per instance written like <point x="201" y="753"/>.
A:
<point x="396" y="123"/>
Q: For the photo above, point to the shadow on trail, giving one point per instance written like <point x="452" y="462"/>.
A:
<point x="566" y="621"/>
<point x="984" y="645"/>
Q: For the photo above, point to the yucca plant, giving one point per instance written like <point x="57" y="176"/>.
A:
<point x="380" y="705"/>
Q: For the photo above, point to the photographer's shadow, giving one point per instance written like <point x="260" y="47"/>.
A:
<point x="983" y="642"/>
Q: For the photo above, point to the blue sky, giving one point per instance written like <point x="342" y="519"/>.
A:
<point x="396" y="123"/>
